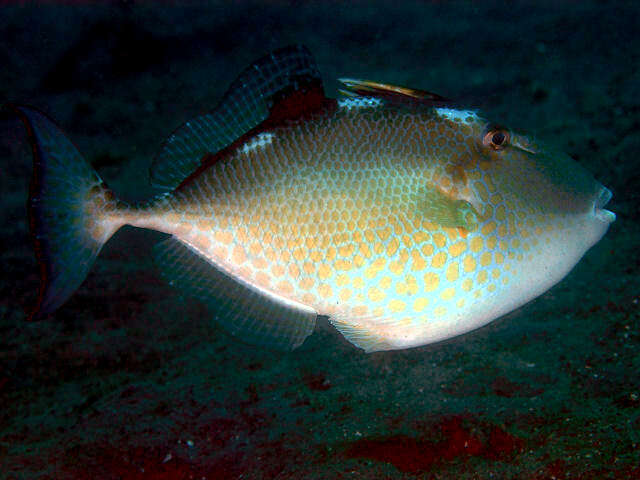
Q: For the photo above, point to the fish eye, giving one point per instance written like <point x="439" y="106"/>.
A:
<point x="496" y="138"/>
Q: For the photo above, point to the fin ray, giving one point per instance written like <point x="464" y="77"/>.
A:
<point x="247" y="103"/>
<point x="442" y="209"/>
<point x="242" y="310"/>
<point x="359" y="335"/>
<point x="62" y="188"/>
<point x="390" y="93"/>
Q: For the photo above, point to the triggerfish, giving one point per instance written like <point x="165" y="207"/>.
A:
<point x="402" y="218"/>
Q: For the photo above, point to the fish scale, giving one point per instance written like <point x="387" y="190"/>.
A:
<point x="403" y="219"/>
<point x="360" y="262"/>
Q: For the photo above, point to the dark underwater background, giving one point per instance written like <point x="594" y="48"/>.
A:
<point x="130" y="380"/>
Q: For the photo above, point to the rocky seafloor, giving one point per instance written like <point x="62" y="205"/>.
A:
<point x="130" y="380"/>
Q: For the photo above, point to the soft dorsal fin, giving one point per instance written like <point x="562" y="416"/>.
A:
<point x="284" y="84"/>
<point x="390" y="93"/>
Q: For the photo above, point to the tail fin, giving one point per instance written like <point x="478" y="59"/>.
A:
<point x="68" y="207"/>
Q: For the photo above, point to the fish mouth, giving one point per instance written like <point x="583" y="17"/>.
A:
<point x="602" y="199"/>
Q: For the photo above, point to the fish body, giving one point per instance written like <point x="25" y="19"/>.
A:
<point x="404" y="220"/>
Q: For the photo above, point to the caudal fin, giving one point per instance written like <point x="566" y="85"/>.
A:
<point x="69" y="211"/>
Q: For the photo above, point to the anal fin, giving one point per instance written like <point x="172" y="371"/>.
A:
<point x="244" y="311"/>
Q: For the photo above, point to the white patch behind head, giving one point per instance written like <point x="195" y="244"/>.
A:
<point x="257" y="142"/>
<point x="465" y="116"/>
<point x="359" y="102"/>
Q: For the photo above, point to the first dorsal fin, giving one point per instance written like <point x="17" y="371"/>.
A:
<point x="284" y="84"/>
<point x="390" y="93"/>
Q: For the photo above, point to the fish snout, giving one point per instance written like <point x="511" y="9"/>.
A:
<point x="602" y="198"/>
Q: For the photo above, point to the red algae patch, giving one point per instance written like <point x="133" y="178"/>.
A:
<point x="317" y="382"/>
<point x="503" y="387"/>
<point x="458" y="440"/>
<point x="133" y="464"/>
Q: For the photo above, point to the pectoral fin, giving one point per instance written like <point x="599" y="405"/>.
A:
<point x="440" y="208"/>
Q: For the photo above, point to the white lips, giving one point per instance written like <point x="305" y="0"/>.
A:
<point x="601" y="200"/>
<point x="605" y="215"/>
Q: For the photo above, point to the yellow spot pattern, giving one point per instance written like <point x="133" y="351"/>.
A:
<point x="342" y="230"/>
